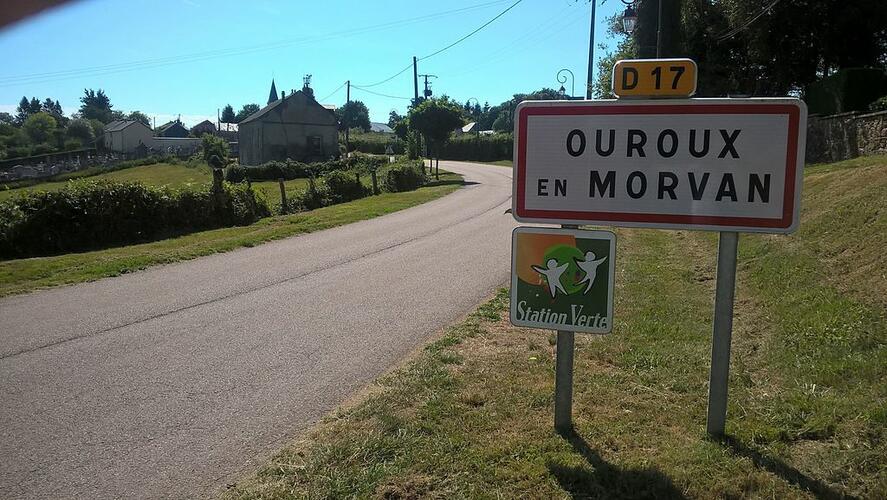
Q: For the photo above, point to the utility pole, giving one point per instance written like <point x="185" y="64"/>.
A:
<point x="347" y="100"/>
<point x="588" y="85"/>
<point x="427" y="92"/>
<point x="659" y="32"/>
<point x="415" y="83"/>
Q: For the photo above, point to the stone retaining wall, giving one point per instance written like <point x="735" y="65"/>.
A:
<point x="846" y="135"/>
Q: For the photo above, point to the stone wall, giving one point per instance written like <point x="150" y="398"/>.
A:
<point x="846" y="135"/>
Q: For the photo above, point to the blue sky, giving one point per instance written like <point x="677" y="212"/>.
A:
<point x="190" y="57"/>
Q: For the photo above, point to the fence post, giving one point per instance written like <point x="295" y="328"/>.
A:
<point x="282" y="196"/>
<point x="375" y="182"/>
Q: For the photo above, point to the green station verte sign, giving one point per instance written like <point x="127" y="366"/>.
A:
<point x="562" y="279"/>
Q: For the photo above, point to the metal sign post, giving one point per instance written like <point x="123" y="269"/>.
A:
<point x="721" y="333"/>
<point x="563" y="381"/>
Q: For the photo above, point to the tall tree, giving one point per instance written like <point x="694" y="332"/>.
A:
<point x="228" y="115"/>
<point x="81" y="130"/>
<point x="353" y="114"/>
<point x="139" y="117"/>
<point x="96" y="105"/>
<point x="393" y="118"/>
<point x="27" y="107"/>
<point x="245" y="111"/>
<point x="436" y="119"/>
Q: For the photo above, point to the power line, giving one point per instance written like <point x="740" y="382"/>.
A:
<point x="445" y="48"/>
<point x="380" y="94"/>
<point x="747" y="23"/>
<point x="333" y="92"/>
<point x="46" y="77"/>
<point x="472" y="33"/>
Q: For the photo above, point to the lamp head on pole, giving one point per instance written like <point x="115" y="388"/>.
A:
<point x="629" y="19"/>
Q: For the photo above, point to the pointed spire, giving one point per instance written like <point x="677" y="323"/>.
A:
<point x="273" y="95"/>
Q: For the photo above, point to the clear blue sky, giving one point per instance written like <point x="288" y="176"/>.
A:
<point x="190" y="57"/>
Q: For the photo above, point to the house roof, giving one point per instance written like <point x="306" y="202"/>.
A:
<point x="170" y="124"/>
<point x="118" y="125"/>
<point x="380" y="127"/>
<point x="262" y="112"/>
<point x="469" y="127"/>
<point x="204" y="123"/>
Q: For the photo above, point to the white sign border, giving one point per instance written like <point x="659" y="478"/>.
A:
<point x="799" y="161"/>
<point x="579" y="233"/>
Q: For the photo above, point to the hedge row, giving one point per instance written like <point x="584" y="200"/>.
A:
<point x="88" y="215"/>
<point x="343" y="186"/>
<point x="479" y="148"/>
<point x="374" y="144"/>
<point x="291" y="169"/>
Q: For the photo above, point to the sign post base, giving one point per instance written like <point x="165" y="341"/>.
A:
<point x="563" y="382"/>
<point x="721" y="334"/>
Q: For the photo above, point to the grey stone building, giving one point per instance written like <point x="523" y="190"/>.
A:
<point x="294" y="126"/>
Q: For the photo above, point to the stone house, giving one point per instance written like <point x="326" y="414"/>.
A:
<point x="172" y="129"/>
<point x="123" y="136"/>
<point x="204" y="127"/>
<point x="294" y="126"/>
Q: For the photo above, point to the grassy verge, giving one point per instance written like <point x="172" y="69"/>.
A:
<point x="23" y="275"/>
<point x="158" y="174"/>
<point x="472" y="416"/>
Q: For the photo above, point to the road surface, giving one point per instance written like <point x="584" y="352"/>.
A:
<point x="173" y="381"/>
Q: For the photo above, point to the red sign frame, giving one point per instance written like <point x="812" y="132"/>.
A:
<point x="787" y="223"/>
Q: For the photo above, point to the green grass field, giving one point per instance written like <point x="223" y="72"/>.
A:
<point x="24" y="275"/>
<point x="158" y="174"/>
<point x="471" y="417"/>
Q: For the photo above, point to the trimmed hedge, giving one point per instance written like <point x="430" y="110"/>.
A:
<point x="287" y="170"/>
<point x="483" y="148"/>
<point x="403" y="177"/>
<point x="374" y="143"/>
<point x="89" y="215"/>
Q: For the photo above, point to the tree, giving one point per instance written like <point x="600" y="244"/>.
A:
<point x="54" y="109"/>
<point x="353" y="114"/>
<point x="98" y="128"/>
<point x="26" y="108"/>
<point x="394" y="118"/>
<point x="96" y="105"/>
<point x="245" y="111"/>
<point x="39" y="127"/>
<point x="215" y="150"/>
<point x="139" y="117"/>
<point x="6" y="118"/>
<point x="402" y="128"/>
<point x="81" y="130"/>
<point x="228" y="115"/>
<point x="436" y="119"/>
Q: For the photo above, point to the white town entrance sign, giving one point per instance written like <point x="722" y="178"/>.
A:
<point x="717" y="164"/>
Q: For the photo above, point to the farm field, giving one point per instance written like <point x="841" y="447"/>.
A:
<point x="158" y="174"/>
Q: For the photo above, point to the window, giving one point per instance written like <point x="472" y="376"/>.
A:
<point x="315" y="144"/>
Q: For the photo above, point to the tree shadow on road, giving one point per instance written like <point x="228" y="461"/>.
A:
<point x="457" y="182"/>
<point x="779" y="468"/>
<point x="605" y="480"/>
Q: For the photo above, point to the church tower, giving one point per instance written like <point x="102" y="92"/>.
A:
<point x="273" y="95"/>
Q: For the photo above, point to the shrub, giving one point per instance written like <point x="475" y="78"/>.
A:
<point x="288" y="170"/>
<point x="312" y="197"/>
<point x="484" y="148"/>
<point x="344" y="186"/>
<point x="403" y="177"/>
<point x="879" y="105"/>
<point x="87" y="215"/>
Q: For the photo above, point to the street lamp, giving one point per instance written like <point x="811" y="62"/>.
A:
<point x="629" y="18"/>
<point x="562" y="79"/>
<point x="630" y="22"/>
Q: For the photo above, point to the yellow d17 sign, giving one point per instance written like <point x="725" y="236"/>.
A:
<point x="654" y="78"/>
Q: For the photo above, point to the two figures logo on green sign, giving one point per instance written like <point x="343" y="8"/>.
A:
<point x="563" y="279"/>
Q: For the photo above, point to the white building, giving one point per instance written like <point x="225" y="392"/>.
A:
<point x="122" y="136"/>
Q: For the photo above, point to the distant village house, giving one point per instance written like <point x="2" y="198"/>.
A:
<point x="292" y="126"/>
<point x="204" y="127"/>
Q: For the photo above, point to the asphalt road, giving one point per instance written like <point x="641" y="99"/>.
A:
<point x="173" y="381"/>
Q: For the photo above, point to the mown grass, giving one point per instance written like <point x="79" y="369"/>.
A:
<point x="472" y="416"/>
<point x="23" y="275"/>
<point x="158" y="174"/>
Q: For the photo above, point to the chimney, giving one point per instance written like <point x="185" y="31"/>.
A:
<point x="282" y="94"/>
